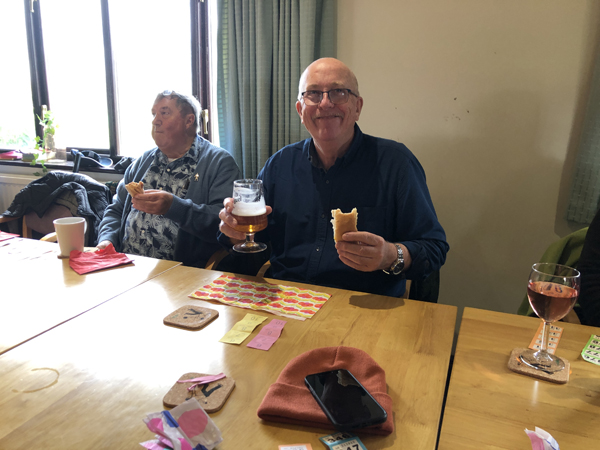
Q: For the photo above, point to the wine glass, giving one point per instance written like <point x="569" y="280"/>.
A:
<point x="250" y="212"/>
<point x="552" y="290"/>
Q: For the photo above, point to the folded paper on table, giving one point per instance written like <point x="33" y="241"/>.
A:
<point x="591" y="351"/>
<point x="242" y="329"/>
<point x="85" y="262"/>
<point x="554" y="335"/>
<point x="268" y="335"/>
<point x="285" y="301"/>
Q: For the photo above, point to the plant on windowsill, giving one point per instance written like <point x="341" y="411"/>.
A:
<point x="47" y="145"/>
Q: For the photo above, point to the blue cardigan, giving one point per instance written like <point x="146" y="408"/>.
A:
<point x="197" y="214"/>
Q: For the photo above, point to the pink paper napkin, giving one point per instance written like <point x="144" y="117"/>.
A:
<point x="4" y="235"/>
<point x="85" y="262"/>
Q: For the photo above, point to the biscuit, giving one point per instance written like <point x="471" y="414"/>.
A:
<point x="135" y="188"/>
<point x="343" y="223"/>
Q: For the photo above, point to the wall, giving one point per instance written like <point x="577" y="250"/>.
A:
<point x="489" y="95"/>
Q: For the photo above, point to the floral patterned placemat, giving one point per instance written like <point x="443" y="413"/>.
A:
<point x="285" y="301"/>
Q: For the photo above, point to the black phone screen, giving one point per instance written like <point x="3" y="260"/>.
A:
<point x="344" y="400"/>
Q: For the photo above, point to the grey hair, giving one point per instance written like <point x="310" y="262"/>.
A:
<point x="186" y="104"/>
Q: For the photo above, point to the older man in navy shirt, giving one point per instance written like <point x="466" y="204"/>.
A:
<point x="399" y="235"/>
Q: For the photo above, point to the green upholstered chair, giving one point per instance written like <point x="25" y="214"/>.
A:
<point x="565" y="251"/>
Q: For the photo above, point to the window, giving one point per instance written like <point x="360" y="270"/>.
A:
<point x="17" y="124"/>
<point x="98" y="66"/>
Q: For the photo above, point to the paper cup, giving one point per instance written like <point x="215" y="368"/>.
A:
<point x="70" y="232"/>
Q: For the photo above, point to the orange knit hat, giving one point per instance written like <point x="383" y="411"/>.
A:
<point x="288" y="400"/>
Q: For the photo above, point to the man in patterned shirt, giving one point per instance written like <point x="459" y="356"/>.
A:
<point x="185" y="179"/>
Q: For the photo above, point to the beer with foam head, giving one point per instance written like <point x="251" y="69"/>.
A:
<point x="251" y="217"/>
<point x="250" y="211"/>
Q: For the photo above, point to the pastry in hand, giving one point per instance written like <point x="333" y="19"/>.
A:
<point x="135" y="188"/>
<point x="343" y="223"/>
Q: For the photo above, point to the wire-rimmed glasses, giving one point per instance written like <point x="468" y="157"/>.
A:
<point x="336" y="96"/>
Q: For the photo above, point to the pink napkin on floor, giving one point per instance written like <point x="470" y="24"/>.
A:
<point x="85" y="262"/>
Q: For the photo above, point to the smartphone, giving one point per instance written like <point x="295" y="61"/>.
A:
<point x="345" y="402"/>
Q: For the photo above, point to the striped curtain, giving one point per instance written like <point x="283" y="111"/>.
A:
<point x="585" y="192"/>
<point x="263" y="47"/>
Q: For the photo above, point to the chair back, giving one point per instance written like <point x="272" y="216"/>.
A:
<point x="60" y="194"/>
<point x="566" y="251"/>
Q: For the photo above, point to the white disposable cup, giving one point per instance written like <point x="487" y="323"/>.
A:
<point x="70" y="232"/>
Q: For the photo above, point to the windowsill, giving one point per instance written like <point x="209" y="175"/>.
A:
<point x="64" y="165"/>
<point x="20" y="169"/>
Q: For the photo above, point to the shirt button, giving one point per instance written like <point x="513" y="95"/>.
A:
<point x="168" y="170"/>
<point x="322" y="216"/>
<point x="318" y="248"/>
<point x="327" y="182"/>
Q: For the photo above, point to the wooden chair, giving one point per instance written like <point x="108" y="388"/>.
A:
<point x="41" y="226"/>
<point x="215" y="259"/>
<point x="26" y="232"/>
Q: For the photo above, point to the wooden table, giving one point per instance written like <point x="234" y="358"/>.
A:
<point x="90" y="382"/>
<point x="488" y="406"/>
<point x="40" y="291"/>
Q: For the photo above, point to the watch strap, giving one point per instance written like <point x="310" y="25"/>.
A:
<point x="398" y="265"/>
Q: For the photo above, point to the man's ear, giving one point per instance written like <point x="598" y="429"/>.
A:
<point x="359" y="105"/>
<point x="189" y="120"/>
<point x="299" y="109"/>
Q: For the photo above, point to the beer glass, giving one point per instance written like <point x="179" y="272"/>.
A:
<point x="250" y="212"/>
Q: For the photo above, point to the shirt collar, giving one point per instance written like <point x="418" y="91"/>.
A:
<point x="190" y="156"/>
<point x="348" y="157"/>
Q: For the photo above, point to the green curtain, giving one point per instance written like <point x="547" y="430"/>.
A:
<point x="263" y="46"/>
<point x="585" y="192"/>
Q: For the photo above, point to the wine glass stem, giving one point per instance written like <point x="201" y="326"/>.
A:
<point x="545" y="332"/>
<point x="250" y="238"/>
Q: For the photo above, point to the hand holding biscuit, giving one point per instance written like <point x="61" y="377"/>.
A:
<point x="362" y="250"/>
<point x="153" y="201"/>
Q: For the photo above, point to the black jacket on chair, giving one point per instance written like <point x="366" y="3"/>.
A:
<point x="92" y="198"/>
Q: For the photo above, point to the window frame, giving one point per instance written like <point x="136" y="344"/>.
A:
<point x="39" y="84"/>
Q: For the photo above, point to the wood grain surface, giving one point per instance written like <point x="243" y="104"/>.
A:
<point x="41" y="291"/>
<point x="489" y="406"/>
<point x="88" y="383"/>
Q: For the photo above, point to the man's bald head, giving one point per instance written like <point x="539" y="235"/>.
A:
<point x="328" y="65"/>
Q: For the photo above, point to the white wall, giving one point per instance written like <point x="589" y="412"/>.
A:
<point x="489" y="95"/>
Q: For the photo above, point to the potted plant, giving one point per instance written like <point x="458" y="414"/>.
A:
<point x="47" y="144"/>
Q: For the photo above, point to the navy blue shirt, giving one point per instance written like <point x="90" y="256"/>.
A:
<point x="382" y="179"/>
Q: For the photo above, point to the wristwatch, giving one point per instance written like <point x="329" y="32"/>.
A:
<point x="398" y="266"/>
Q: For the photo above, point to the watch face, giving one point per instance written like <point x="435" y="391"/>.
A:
<point x="398" y="269"/>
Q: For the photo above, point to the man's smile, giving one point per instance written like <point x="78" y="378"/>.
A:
<point x="333" y="116"/>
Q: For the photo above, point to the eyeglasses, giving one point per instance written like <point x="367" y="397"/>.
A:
<point x="336" y="96"/>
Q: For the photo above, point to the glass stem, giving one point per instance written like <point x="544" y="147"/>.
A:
<point x="249" y="239"/>
<point x="545" y="333"/>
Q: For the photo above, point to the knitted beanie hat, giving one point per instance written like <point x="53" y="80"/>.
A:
<point x="288" y="400"/>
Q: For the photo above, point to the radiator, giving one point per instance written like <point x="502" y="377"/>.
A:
<point x="10" y="185"/>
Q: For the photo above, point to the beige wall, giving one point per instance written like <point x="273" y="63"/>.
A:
<point x="489" y="95"/>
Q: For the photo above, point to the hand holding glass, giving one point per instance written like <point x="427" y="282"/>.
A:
<point x="250" y="212"/>
<point x="552" y="290"/>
